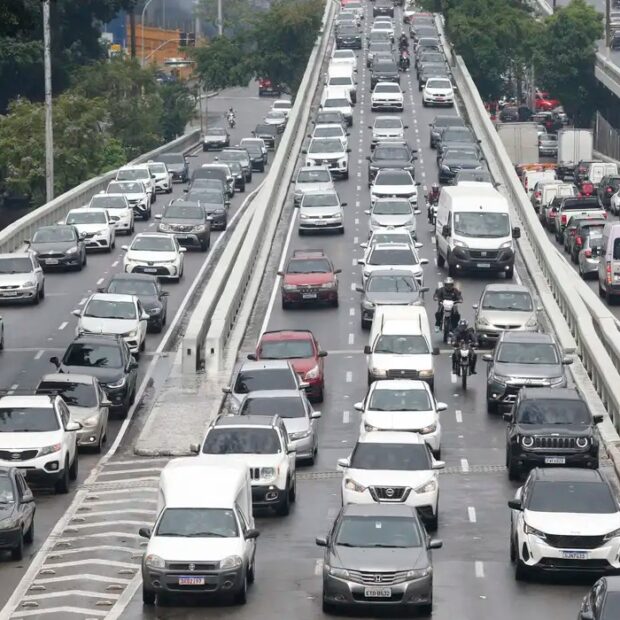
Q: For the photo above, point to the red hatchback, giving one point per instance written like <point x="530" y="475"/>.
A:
<point x="309" y="277"/>
<point x="545" y="103"/>
<point x="302" y="350"/>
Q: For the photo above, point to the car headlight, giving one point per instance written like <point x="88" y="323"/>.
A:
<point x="556" y="380"/>
<point x="427" y="373"/>
<point x="232" y="561"/>
<point x="164" y="228"/>
<point x="427" y="487"/>
<point x="350" y="484"/>
<point x="71" y="251"/>
<point x="290" y="287"/>
<point x="506" y="244"/>
<point x="304" y="217"/>
<point x="117" y="384"/>
<point x="431" y="428"/>
<point x="532" y="322"/>
<point x="379" y="372"/>
<point x="300" y="434"/>
<point x="328" y="285"/>
<point x="154" y="311"/>
<point x="459" y="244"/>
<point x="445" y="168"/>
<point x="28" y="284"/>
<point x="582" y="442"/>
<point x="132" y="334"/>
<point x="103" y="231"/>
<point x="369" y="427"/>
<point x="200" y="228"/>
<point x="527" y="441"/>
<point x="268" y="473"/>
<point x="532" y="531"/>
<point x="9" y="524"/>
<point x="337" y="572"/>
<point x="418" y="573"/>
<point x="368" y="304"/>
<point x="342" y="162"/>
<point x="220" y="211"/>
<point x="611" y="535"/>
<point x="91" y="421"/>
<point x="154" y="561"/>
<point x="501" y="379"/>
<point x="483" y="321"/>
<point x="50" y="449"/>
<point x="313" y="373"/>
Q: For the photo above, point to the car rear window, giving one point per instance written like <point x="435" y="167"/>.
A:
<point x="241" y="441"/>
<point x="265" y="379"/>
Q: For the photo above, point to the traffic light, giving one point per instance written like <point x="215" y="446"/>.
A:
<point x="191" y="39"/>
<point x="182" y="39"/>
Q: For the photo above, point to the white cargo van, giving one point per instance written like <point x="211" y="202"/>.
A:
<point x="400" y="345"/>
<point x="342" y="75"/>
<point x="531" y="177"/>
<point x="204" y="540"/>
<point x="599" y="169"/>
<point x="473" y="231"/>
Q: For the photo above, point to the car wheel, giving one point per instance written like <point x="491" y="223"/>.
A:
<point x="73" y="470"/>
<point x="252" y="571"/>
<point x="335" y="303"/>
<point x="284" y="507"/>
<point x="513" y="550"/>
<point x="441" y="261"/>
<point x="293" y="490"/>
<point x="426" y="610"/>
<point x="2" y="338"/>
<point x="204" y="246"/>
<point x="148" y="596"/>
<point x="241" y="597"/>
<point x="143" y="344"/>
<point x="510" y="273"/>
<point x="17" y="553"/>
<point x="521" y="571"/>
<point x="99" y="445"/>
<point x="62" y="485"/>
<point x="29" y="533"/>
<point x="320" y="395"/>
<point x="327" y="608"/>
<point x="492" y="406"/>
<point x="433" y="522"/>
<point x="285" y="305"/>
<point x="514" y="471"/>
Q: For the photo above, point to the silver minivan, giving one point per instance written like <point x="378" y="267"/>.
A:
<point x="609" y="264"/>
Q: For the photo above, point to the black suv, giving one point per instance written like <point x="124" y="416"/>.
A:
<point x="608" y="186"/>
<point x="348" y="37"/>
<point x="384" y="71"/>
<point x="550" y="427"/>
<point x="383" y="7"/>
<point x="390" y="155"/>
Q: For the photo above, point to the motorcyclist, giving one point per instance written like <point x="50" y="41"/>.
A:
<point x="404" y="60"/>
<point x="433" y="196"/>
<point x="231" y="117"/>
<point x="403" y="42"/>
<point x="447" y="291"/>
<point x="464" y="333"/>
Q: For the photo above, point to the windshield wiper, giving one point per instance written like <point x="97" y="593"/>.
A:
<point x="210" y="534"/>
<point x="346" y="544"/>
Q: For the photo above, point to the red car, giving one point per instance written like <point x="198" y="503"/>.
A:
<point x="267" y="87"/>
<point x="309" y="277"/>
<point x="545" y="102"/>
<point x="302" y="350"/>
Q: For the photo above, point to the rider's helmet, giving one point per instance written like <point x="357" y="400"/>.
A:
<point x="448" y="284"/>
<point x="435" y="188"/>
<point x="463" y="325"/>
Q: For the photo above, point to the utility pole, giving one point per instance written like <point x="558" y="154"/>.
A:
<point x="607" y="20"/>
<point x="132" y="31"/>
<point x="220" y="19"/>
<point x="49" y="130"/>
<point x="146" y="6"/>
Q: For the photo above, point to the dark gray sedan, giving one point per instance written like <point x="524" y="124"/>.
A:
<point x="59" y="247"/>
<point x="213" y="202"/>
<point x="378" y="555"/>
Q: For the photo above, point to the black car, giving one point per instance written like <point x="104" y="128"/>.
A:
<point x="423" y="30"/>
<point x="208" y="172"/>
<point x="382" y="47"/>
<point x="428" y="56"/>
<point x="177" y="164"/>
<point x="602" y="602"/>
<point x="384" y="72"/>
<point x="269" y="134"/>
<point x="213" y="201"/>
<point x="440" y="123"/>
<point x="455" y="160"/>
<point x="509" y="114"/>
<point x="257" y="157"/>
<point x="17" y="510"/>
<point x="383" y="7"/>
<point x="58" y="247"/>
<point x="239" y="155"/>
<point x="109" y="359"/>
<point x="390" y="155"/>
<point x="199" y="186"/>
<point x="148" y="290"/>
<point x="550" y="426"/>
<point x="454" y="136"/>
<point x="348" y="37"/>
<point x="430" y="71"/>
<point x="608" y="186"/>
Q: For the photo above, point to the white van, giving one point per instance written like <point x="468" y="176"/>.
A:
<point x="338" y="99"/>
<point x="473" y="231"/>
<point x="400" y="345"/>
<point x="531" y="177"/>
<point x="204" y="539"/>
<point x="599" y="169"/>
<point x="341" y="75"/>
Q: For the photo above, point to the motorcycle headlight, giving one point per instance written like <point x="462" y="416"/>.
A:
<point x="232" y="561"/>
<point x="313" y="373"/>
<point x="350" y="484"/>
<point x="611" y="535"/>
<point x="91" y="421"/>
<point x="71" y="251"/>
<point x="268" y="473"/>
<point x="527" y="441"/>
<point x="300" y="434"/>
<point x="506" y="244"/>
<point x="532" y="531"/>
<point x="427" y="373"/>
<point x="154" y="561"/>
<point x="49" y="449"/>
<point x="431" y="428"/>
<point x="445" y="168"/>
<point x="117" y="384"/>
<point x="428" y="487"/>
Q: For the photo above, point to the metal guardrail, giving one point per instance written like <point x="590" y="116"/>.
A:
<point x="214" y="317"/>
<point x="12" y="237"/>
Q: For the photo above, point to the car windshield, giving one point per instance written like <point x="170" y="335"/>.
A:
<point x="126" y="187"/>
<point x="527" y="353"/>
<point x="392" y="284"/>
<point x="507" y="300"/>
<point x="337" y="81"/>
<point x="285" y="407"/>
<point x="15" y="265"/>
<point x="388" y="532"/>
<point x="327" y="199"/>
<point x="278" y="115"/>
<point x="6" y="491"/>
<point x="133" y="174"/>
<point x="326" y="118"/>
<point x="396" y="177"/>
<point x="402" y="345"/>
<point x="108" y="309"/>
<point x="434" y="83"/>
<point x="388" y="123"/>
<point x="432" y="57"/>
<point x="264" y="379"/>
<point x="74" y="394"/>
<point x="241" y="441"/>
<point x="314" y="176"/>
<point x="198" y="523"/>
<point x="205" y="196"/>
<point x="460" y="155"/>
<point x="158" y="168"/>
<point x="216" y="131"/>
<point x="392" y="257"/>
<point x="87" y="217"/>
<point x="392" y="456"/>
<point x="387" y="88"/>
<point x="238" y="156"/>
<point x="153" y="244"/>
<point x="457" y="134"/>
<point x="344" y="54"/>
<point x="93" y="356"/>
<point x="392" y="207"/>
<point x="50" y="235"/>
<point x="325" y="145"/>
<point x="286" y="349"/>
<point x="391" y="152"/>
<point x="571" y="497"/>
<point x="380" y="237"/>
<point x="335" y="131"/>
<point x="309" y="265"/>
<point x="108" y="202"/>
<point x="184" y="212"/>
<point x="137" y="287"/>
<point x="336" y="102"/>
<point x="172" y="158"/>
<point x="348" y="30"/>
<point x="28" y="420"/>
<point x="480" y="224"/>
<point x="399" y="400"/>
<point x="556" y="411"/>
<point x="384" y="67"/>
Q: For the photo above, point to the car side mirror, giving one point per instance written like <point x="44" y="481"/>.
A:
<point x="165" y="294"/>
<point x="337" y="271"/>
<point x="598" y="418"/>
<point x="417" y="212"/>
<point x="54" y="360"/>
<point x="475" y="306"/>
<point x="368" y="156"/>
<point x="516" y="233"/>
<point x="73" y="426"/>
<point x="185" y="191"/>
<point x="406" y="127"/>
<point x="252" y="356"/>
<point x="227" y="389"/>
<point x="487" y="357"/>
<point x="359" y="289"/>
<point x="445" y="231"/>
<point x="586" y="615"/>
<point x="438" y="465"/>
<point x="158" y="216"/>
<point x="507" y="416"/>
<point x="27" y="497"/>
<point x="367" y="211"/>
<point x="424" y="261"/>
<point x="194" y="448"/>
<point x="304" y="385"/>
<point x="567" y="361"/>
<point x="441" y="406"/>
<point x="361" y="261"/>
<point x="144" y="532"/>
<point x="435" y="543"/>
<point x="291" y="450"/>
<point x="321" y="541"/>
<point x="133" y="364"/>
<point x="27" y="241"/>
<point x="367" y="350"/>
<point x="124" y="248"/>
<point x="515" y="504"/>
<point x="252" y="534"/>
<point x="424" y="289"/>
<point x="435" y="350"/>
<point x="77" y="313"/>
<point x="343" y="463"/>
<point x="322" y="353"/>
<point x="316" y="415"/>
<point x="144" y="316"/>
<point x="105" y="402"/>
<point x="363" y="245"/>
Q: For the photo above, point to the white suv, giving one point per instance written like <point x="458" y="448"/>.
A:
<point x="262" y="443"/>
<point x="38" y="437"/>
<point x="162" y="176"/>
<point x="329" y="152"/>
<point x="392" y="467"/>
<point x="387" y="96"/>
<point x="141" y="173"/>
<point x="402" y="405"/>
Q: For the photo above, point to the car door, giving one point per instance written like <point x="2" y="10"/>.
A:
<point x="249" y="546"/>
<point x="142" y="319"/>
<point x="105" y="410"/>
<point x="26" y="508"/>
<point x="69" y="437"/>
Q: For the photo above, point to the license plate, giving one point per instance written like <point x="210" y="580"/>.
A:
<point x="191" y="581"/>
<point x="555" y="460"/>
<point x="309" y="296"/>
<point x="483" y="265"/>
<point x="51" y="261"/>
<point x="320" y="223"/>
<point x="9" y="294"/>
<point x="150" y="270"/>
<point x="377" y="592"/>
<point x="575" y="555"/>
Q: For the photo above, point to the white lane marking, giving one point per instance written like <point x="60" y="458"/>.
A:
<point x="357" y="203"/>
<point x="479" y="569"/>
<point x="471" y="513"/>
<point x="35" y="597"/>
<point x="345" y="417"/>
<point x="353" y="285"/>
<point x="13" y="388"/>
<point x="39" y="354"/>
<point x="351" y="311"/>
<point x="62" y="325"/>
<point x="115" y="263"/>
<point x="464" y="465"/>
<point x="359" y="188"/>
<point x="318" y="566"/>
<point x="357" y="221"/>
<point x="354" y="262"/>
<point x="64" y="610"/>
<point x="355" y="240"/>
<point x="453" y="377"/>
<point x="459" y="416"/>
<point x="351" y="338"/>
<point x="99" y="281"/>
<point x="349" y="376"/>
<point x="82" y="301"/>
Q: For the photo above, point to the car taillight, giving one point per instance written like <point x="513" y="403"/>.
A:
<point x="564" y="218"/>
<point x="588" y="253"/>
<point x="605" y="214"/>
<point x="551" y="215"/>
<point x="608" y="270"/>
<point x="609" y="190"/>
<point x="578" y="240"/>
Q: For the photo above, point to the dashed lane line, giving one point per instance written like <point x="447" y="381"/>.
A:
<point x="471" y="513"/>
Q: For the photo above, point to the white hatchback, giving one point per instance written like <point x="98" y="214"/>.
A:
<point x="387" y="96"/>
<point x="94" y="226"/>
<point x="438" y="91"/>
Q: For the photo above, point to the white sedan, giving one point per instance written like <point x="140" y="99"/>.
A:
<point x="114" y="314"/>
<point x="394" y="183"/>
<point x="402" y="256"/>
<point x="156" y="254"/>
<point x="438" y="91"/>
<point x="94" y="226"/>
<point x="387" y="96"/>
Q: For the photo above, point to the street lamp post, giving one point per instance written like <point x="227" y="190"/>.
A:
<point x="49" y="130"/>
<point x="220" y="20"/>
<point x="146" y="6"/>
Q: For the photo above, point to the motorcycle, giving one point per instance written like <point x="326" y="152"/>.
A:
<point x="403" y="44"/>
<point x="431" y="207"/>
<point x="232" y="121"/>
<point x="403" y="62"/>
<point x="448" y="308"/>
<point x="461" y="364"/>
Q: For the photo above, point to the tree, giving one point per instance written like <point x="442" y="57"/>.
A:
<point x="222" y="63"/>
<point x="178" y="109"/>
<point x="566" y="57"/>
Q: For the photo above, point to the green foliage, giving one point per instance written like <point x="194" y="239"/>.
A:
<point x="237" y="15"/>
<point x="566" y="56"/>
<point x="178" y="109"/>
<point x="222" y="63"/>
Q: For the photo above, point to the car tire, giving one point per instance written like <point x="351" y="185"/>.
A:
<point x="148" y="597"/>
<point x="513" y="550"/>
<point x="514" y="471"/>
<point x="241" y="597"/>
<point x="204" y="246"/>
<point x="29" y="533"/>
<point x="452" y="272"/>
<point x="17" y="553"/>
<point x="320" y="395"/>
<point x="2" y="338"/>
<point x="252" y="571"/>
<point x="97" y="449"/>
<point x="521" y="571"/>
<point x="510" y="273"/>
<point x="293" y="490"/>
<point x="131" y="230"/>
<point x="492" y="407"/>
<point x="284" y="507"/>
<point x="441" y="261"/>
<point x="62" y="485"/>
<point x="73" y="470"/>
<point x="327" y="608"/>
<point x="433" y="522"/>
<point x="285" y="305"/>
<point x="426" y="610"/>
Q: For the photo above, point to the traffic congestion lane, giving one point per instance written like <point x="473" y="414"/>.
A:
<point x="34" y="333"/>
<point x="473" y="575"/>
